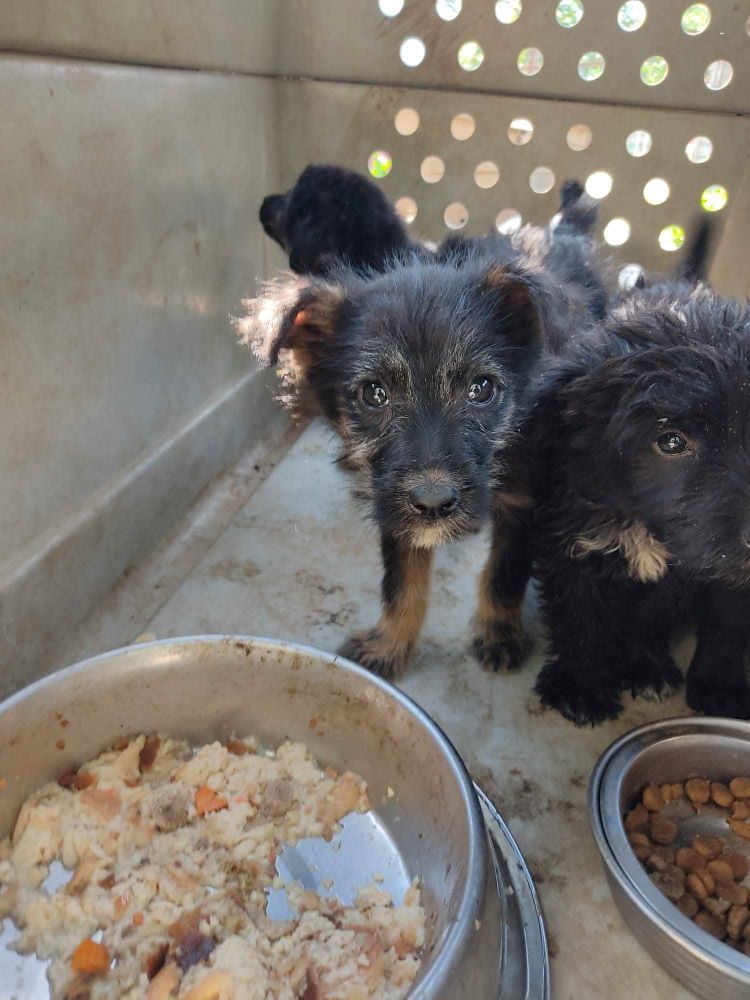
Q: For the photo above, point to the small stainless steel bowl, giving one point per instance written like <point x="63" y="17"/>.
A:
<point x="670" y="751"/>
<point x="427" y="820"/>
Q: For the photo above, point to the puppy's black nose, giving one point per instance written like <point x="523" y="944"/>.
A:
<point x="434" y="499"/>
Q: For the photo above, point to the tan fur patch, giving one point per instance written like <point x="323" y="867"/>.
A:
<point x="489" y="611"/>
<point x="646" y="556"/>
<point x="400" y="624"/>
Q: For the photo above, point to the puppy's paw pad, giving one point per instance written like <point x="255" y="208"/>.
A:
<point x="561" y="689"/>
<point x="371" y="650"/>
<point x="502" y="648"/>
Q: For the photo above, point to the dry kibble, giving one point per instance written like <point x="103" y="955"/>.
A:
<point x="688" y="859"/>
<point x="746" y="948"/>
<point x="688" y="905"/>
<point x="660" y="858"/>
<point x="696" y="888"/>
<point x="698" y="790"/>
<point x="641" y="845"/>
<point x="740" y="788"/>
<point x="708" y="847"/>
<point x="736" y="894"/>
<point x="707" y="879"/>
<point x="717" y="907"/>
<point x="709" y="923"/>
<point x="663" y="830"/>
<point x="740" y="827"/>
<point x="721" y="795"/>
<point x="670" y="884"/>
<point x="746" y="932"/>
<point x="652" y="798"/>
<point x="739" y="864"/>
<point x="737" y="917"/>
<point x="637" y="818"/>
<point x="720" y="870"/>
<point x="740" y="810"/>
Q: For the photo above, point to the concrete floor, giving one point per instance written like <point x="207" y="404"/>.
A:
<point x="278" y="549"/>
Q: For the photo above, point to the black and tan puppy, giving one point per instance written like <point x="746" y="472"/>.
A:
<point x="333" y="215"/>
<point x="424" y="370"/>
<point x="643" y="517"/>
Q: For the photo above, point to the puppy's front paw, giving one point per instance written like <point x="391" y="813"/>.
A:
<point x="731" y="702"/>
<point x="652" y="674"/>
<point x="374" y="650"/>
<point x="585" y="701"/>
<point x="501" y="646"/>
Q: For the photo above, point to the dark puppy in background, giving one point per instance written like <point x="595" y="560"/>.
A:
<point x="643" y="516"/>
<point x="334" y="215"/>
<point x="424" y="371"/>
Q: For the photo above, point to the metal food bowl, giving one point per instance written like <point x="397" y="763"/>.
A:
<point x="670" y="751"/>
<point x="485" y="938"/>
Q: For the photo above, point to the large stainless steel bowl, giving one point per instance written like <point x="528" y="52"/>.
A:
<point x="427" y="820"/>
<point x="670" y="751"/>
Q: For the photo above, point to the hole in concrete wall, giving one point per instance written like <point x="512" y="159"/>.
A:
<point x="638" y="143"/>
<point x="406" y="208"/>
<point x="629" y="275"/>
<point x="412" y="52"/>
<point x="379" y="163"/>
<point x="508" y="11"/>
<point x="520" y="131"/>
<point x="456" y="215"/>
<point x="591" y="65"/>
<point x="632" y="15"/>
<point x="508" y="221"/>
<point x="671" y="238"/>
<point x="695" y="19"/>
<point x="406" y="121"/>
<point x="463" y="126"/>
<point x="541" y="180"/>
<point x="656" y="191"/>
<point x="718" y="74"/>
<point x="470" y="56"/>
<point x="432" y="169"/>
<point x="699" y="149"/>
<point x="579" y="137"/>
<point x="448" y="10"/>
<point x="530" y="61"/>
<point x="391" y="8"/>
<point x="568" y="13"/>
<point x="654" y="70"/>
<point x="487" y="174"/>
<point x="617" y="232"/>
<point x="599" y="184"/>
<point x="714" y="198"/>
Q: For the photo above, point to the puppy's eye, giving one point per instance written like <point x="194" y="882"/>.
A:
<point x="374" y="395"/>
<point x="481" y="390"/>
<point x="672" y="443"/>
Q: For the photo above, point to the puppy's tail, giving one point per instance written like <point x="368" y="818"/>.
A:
<point x="694" y="265"/>
<point x="578" y="212"/>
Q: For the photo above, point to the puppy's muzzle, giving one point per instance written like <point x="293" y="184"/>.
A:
<point x="433" y="501"/>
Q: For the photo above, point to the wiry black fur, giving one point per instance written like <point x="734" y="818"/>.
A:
<point x="424" y="329"/>
<point x="331" y="216"/>
<point x="664" y="361"/>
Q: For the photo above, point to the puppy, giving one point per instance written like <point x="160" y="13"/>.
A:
<point x="424" y="371"/>
<point x="643" y="511"/>
<point x="333" y="215"/>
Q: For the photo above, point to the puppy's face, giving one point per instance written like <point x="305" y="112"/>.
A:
<point x="424" y="372"/>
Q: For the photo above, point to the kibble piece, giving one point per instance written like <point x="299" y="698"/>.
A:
<point x="746" y="948"/>
<point x="672" y="886"/>
<point x="740" y="788"/>
<point x="720" y="870"/>
<point x="688" y="905"/>
<point x="688" y="859"/>
<point x="696" y="888"/>
<point x="652" y="798"/>
<point x="740" y="809"/>
<point x="707" y="879"/>
<point x="746" y="932"/>
<point x="708" y="847"/>
<point x="710" y="924"/>
<point x="698" y="790"/>
<point x="641" y="845"/>
<point x="717" y="907"/>
<point x="637" y="818"/>
<point x="741" y="827"/>
<point x="739" y="864"/>
<point x="663" y="830"/>
<point x="660" y="858"/>
<point x="736" y="894"/>
<point x="721" y="795"/>
<point x="737" y="918"/>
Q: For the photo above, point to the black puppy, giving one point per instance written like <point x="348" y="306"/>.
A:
<point x="643" y="516"/>
<point x="334" y="215"/>
<point x="424" y="371"/>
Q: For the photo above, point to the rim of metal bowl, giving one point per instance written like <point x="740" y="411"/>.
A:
<point x="458" y="938"/>
<point x="607" y="826"/>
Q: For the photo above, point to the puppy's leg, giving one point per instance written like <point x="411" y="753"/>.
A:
<point x="716" y="683"/>
<point x="500" y="642"/>
<point x="386" y="648"/>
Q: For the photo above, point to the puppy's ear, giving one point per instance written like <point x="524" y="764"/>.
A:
<point x="517" y="302"/>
